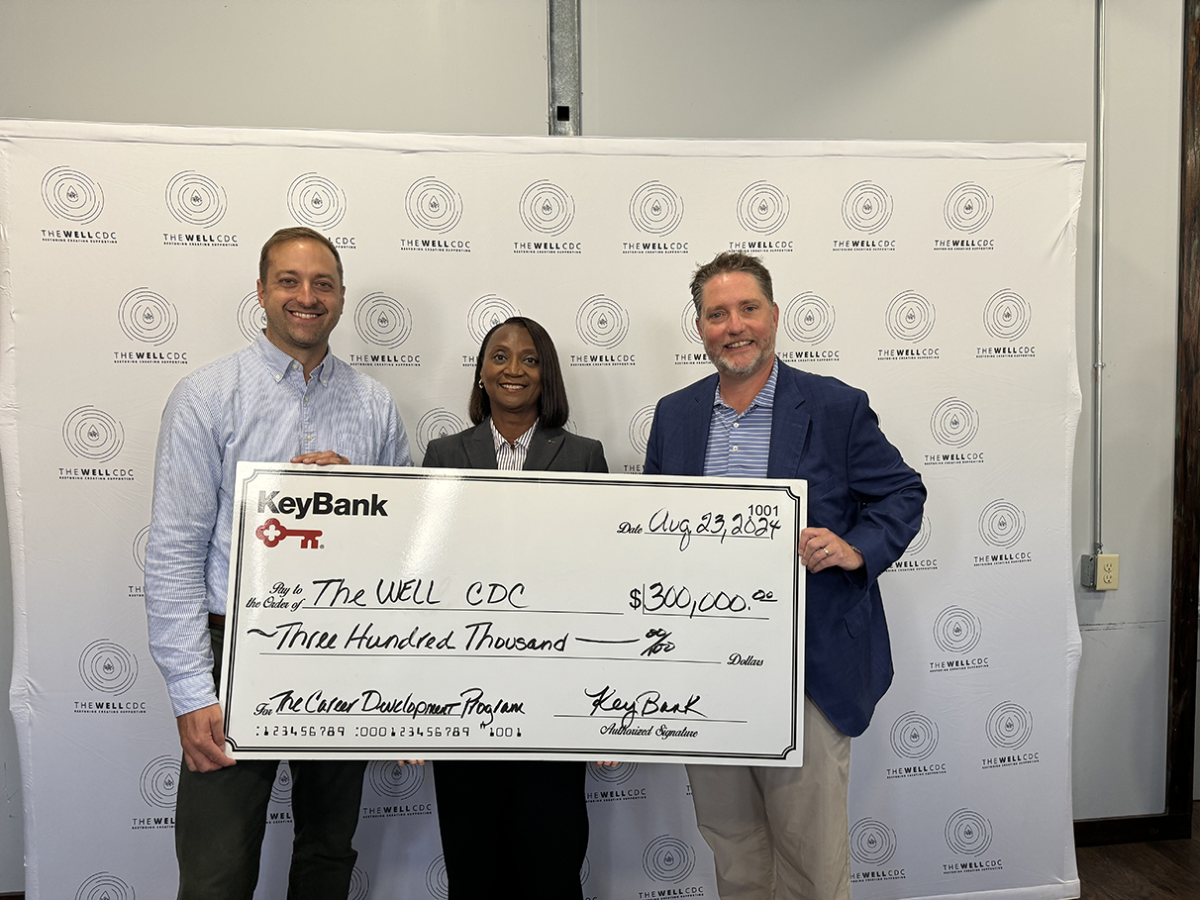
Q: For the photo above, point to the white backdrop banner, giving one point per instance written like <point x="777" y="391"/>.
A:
<point x="938" y="277"/>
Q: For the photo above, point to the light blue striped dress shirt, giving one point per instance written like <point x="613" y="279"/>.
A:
<point x="252" y="405"/>
<point x="739" y="444"/>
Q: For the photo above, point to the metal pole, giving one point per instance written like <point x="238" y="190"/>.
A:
<point x="1098" y="289"/>
<point x="562" y="34"/>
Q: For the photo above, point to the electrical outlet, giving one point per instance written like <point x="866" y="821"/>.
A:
<point x="1108" y="571"/>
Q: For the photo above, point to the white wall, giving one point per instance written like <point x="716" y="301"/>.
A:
<point x="940" y="69"/>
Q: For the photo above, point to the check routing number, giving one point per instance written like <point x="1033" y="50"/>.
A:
<point x="451" y="614"/>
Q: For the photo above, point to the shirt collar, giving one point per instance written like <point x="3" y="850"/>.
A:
<point x="278" y="362"/>
<point x="764" y="399"/>
<point x="521" y="443"/>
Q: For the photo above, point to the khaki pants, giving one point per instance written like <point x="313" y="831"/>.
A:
<point x="780" y="833"/>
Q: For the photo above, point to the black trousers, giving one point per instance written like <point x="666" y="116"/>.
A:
<point x="220" y="820"/>
<point x="517" y="829"/>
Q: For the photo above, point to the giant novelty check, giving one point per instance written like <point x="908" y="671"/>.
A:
<point x="447" y="614"/>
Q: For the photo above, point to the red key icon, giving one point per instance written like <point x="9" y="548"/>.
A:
<point x="271" y="532"/>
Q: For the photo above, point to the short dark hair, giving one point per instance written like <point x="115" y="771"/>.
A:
<point x="553" y="409"/>
<point x="731" y="261"/>
<point x="286" y="236"/>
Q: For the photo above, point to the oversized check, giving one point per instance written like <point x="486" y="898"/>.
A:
<point x="450" y="614"/>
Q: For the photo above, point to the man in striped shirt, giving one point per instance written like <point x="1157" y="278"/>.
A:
<point x="783" y="832"/>
<point x="285" y="397"/>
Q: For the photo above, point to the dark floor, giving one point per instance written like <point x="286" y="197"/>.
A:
<point x="1162" y="870"/>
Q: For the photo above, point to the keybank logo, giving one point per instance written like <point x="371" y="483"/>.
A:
<point x="321" y="503"/>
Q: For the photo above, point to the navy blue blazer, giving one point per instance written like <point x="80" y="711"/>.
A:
<point x="859" y="488"/>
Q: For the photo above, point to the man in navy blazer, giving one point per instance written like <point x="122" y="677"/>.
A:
<point x="783" y="832"/>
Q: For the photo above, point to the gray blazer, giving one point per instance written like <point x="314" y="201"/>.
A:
<point x="551" y="449"/>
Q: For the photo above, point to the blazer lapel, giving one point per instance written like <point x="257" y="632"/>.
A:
<point x="696" y="422"/>
<point x="543" y="447"/>
<point x="481" y="449"/>
<point x="789" y="426"/>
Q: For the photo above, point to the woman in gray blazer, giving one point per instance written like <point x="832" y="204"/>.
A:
<point x="514" y="828"/>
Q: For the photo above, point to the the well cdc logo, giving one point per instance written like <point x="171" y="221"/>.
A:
<point x="71" y="195"/>
<point x="809" y="318"/>
<point x="655" y="209"/>
<point x="91" y="433"/>
<point x="968" y="207"/>
<point x="315" y="201"/>
<point x="762" y="208"/>
<point x="433" y="205"/>
<point x="910" y="317"/>
<point x="251" y="317"/>
<point x="382" y="320"/>
<point x="866" y="207"/>
<point x="687" y="323"/>
<point x="140" y="540"/>
<point x="921" y="540"/>
<point x="546" y="208"/>
<point x="360" y="885"/>
<point x="437" y="423"/>
<point x="618" y="774"/>
<point x="147" y="317"/>
<point x="107" y="668"/>
<point x="104" y="886"/>
<point x="436" y="880"/>
<point x="639" y="429"/>
<point x="390" y="779"/>
<point x="956" y="630"/>
<point x="160" y="782"/>
<point x="1001" y="524"/>
<point x="872" y="843"/>
<point x="668" y="859"/>
<point x="1007" y="315"/>
<point x="601" y="322"/>
<point x="486" y="313"/>
<point x="1009" y="726"/>
<point x="954" y="422"/>
<point x="968" y="833"/>
<point x="196" y="199"/>
<point x="281" y="789"/>
<point x="914" y="736"/>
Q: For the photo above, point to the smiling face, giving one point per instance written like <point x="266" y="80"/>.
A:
<point x="303" y="299"/>
<point x="737" y="324"/>
<point x="512" y="374"/>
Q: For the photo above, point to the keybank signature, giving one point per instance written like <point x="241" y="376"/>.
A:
<point x="647" y="703"/>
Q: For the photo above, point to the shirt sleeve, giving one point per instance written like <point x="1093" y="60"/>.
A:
<point x="187" y="482"/>
<point x="395" y="451"/>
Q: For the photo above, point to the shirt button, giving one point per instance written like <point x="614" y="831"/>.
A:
<point x="734" y="447"/>
<point x="309" y="437"/>
<point x="735" y="424"/>
<point x="277" y="377"/>
<point x="305" y="399"/>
